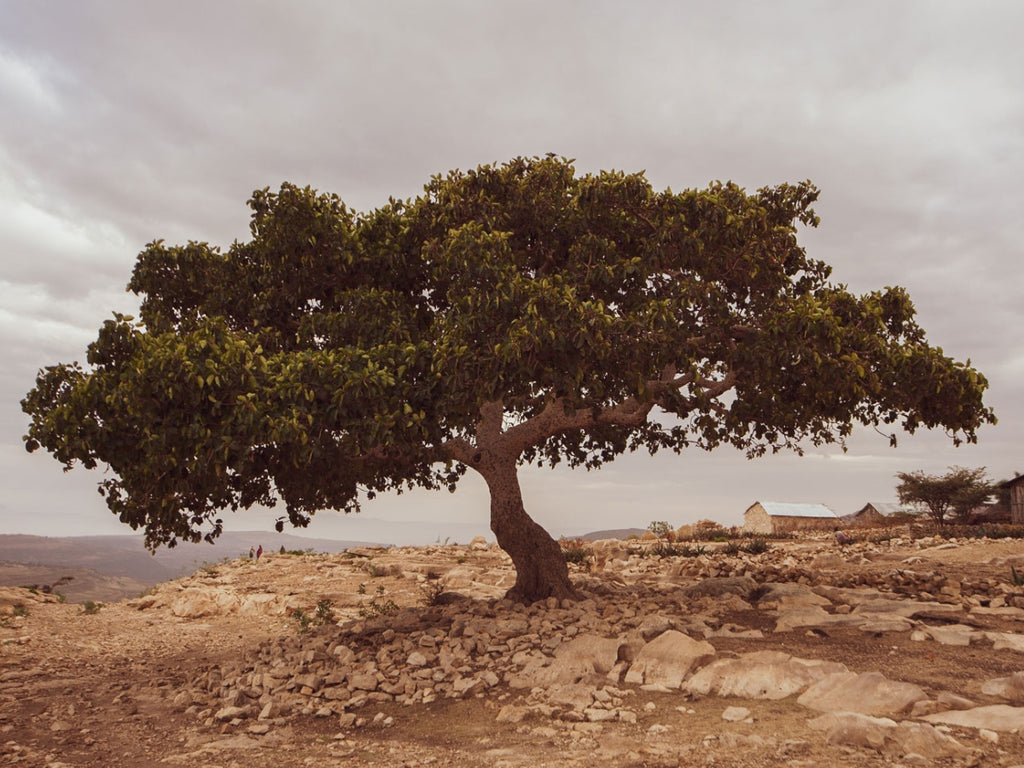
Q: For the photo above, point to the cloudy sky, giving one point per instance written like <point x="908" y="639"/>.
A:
<point x="122" y="122"/>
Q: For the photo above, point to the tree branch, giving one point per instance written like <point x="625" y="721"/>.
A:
<point x="631" y="412"/>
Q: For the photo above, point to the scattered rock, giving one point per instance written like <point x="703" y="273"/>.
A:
<point x="736" y="714"/>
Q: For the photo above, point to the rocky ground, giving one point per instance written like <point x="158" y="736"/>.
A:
<point x="896" y="650"/>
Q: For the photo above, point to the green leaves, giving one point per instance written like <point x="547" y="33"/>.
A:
<point x="960" y="490"/>
<point x="336" y="355"/>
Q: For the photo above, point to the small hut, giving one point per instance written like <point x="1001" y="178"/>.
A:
<point x="875" y="514"/>
<point x="767" y="517"/>
<point x="1016" y="487"/>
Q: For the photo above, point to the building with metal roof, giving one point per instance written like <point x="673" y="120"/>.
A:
<point x="877" y="513"/>
<point x="767" y="517"/>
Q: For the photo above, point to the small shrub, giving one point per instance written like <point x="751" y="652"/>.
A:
<point x="19" y="610"/>
<point x="303" y="619"/>
<point x="756" y="546"/>
<point x="659" y="528"/>
<point x="432" y="590"/>
<point x="1017" y="579"/>
<point x="688" y="550"/>
<point x="90" y="608"/>
<point x="732" y="548"/>
<point x="664" y="549"/>
<point x="576" y="552"/>
<point x="211" y="569"/>
<point x="378" y="607"/>
<point x="708" y="530"/>
<point x="324" y="612"/>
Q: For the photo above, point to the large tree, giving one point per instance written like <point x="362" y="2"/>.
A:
<point x="512" y="314"/>
<point x="957" y="492"/>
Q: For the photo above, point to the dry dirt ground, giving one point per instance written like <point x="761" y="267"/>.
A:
<point x="95" y="689"/>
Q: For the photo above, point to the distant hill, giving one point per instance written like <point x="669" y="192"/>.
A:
<point x="76" y="584"/>
<point x="106" y="568"/>
<point x="619" y="533"/>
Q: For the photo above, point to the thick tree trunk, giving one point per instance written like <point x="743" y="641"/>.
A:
<point x="541" y="570"/>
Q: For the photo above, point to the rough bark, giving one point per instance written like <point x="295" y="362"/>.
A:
<point x="541" y="570"/>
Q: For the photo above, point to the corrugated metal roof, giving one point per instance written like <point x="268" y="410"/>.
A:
<point x="782" y="509"/>
<point x="886" y="507"/>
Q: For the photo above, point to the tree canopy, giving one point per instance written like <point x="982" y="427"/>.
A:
<point x="957" y="492"/>
<point x="513" y="313"/>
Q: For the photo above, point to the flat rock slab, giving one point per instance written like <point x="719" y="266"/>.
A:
<point x="813" y="616"/>
<point x="911" y="609"/>
<point x="849" y="595"/>
<point x="874" y="622"/>
<point x="995" y="717"/>
<point x="887" y="736"/>
<point x="769" y="675"/>
<point x="1002" y="612"/>
<point x="785" y="596"/>
<point x="954" y="634"/>
<point x="1006" y="641"/>
<point x="870" y="693"/>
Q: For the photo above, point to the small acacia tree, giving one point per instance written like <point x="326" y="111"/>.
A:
<point x="958" y="492"/>
<point x="512" y="314"/>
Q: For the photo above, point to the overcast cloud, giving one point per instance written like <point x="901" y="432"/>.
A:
<point x="124" y="121"/>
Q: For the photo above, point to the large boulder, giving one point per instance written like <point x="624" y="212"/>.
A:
<point x="667" y="659"/>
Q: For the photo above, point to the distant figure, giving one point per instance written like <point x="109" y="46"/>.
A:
<point x="842" y="537"/>
<point x="252" y="553"/>
<point x="259" y="552"/>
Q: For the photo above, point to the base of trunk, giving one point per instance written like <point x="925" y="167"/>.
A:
<point x="541" y="570"/>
